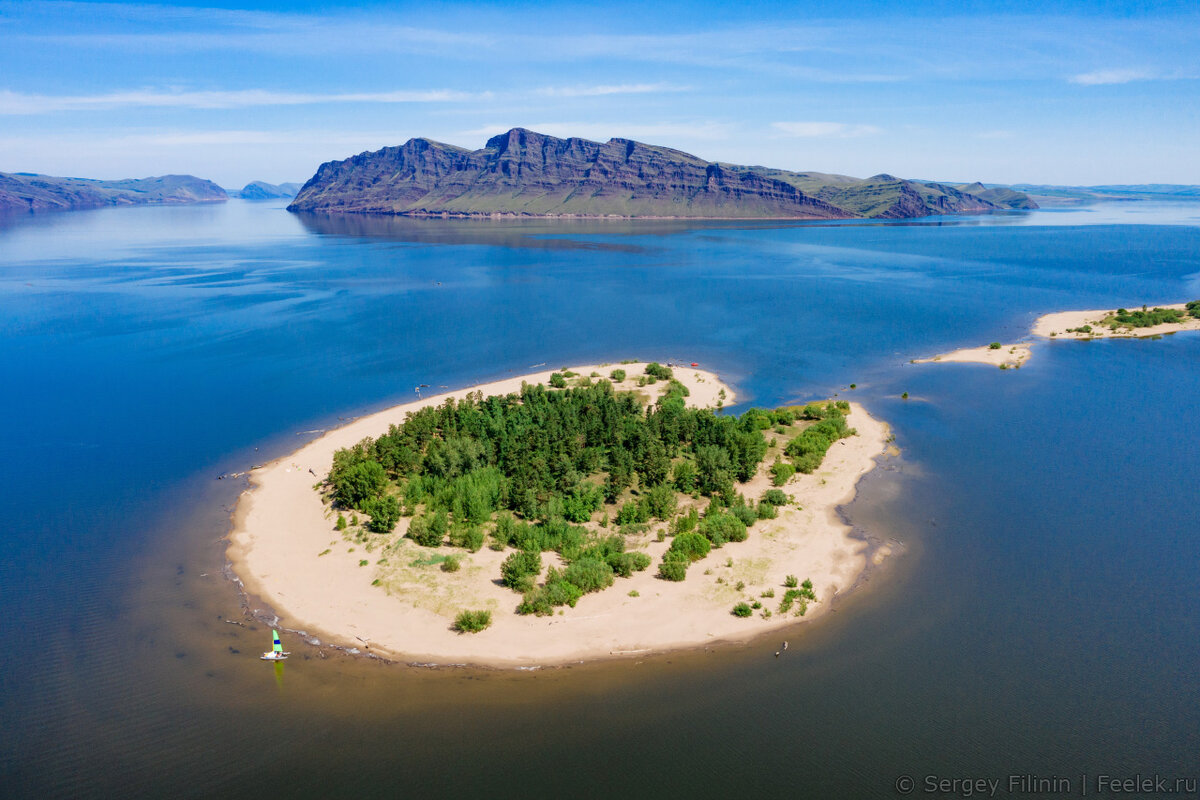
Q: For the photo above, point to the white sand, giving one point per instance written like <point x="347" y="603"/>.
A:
<point x="282" y="528"/>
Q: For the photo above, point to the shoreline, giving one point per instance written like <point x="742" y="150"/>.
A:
<point x="1062" y="326"/>
<point x="283" y="546"/>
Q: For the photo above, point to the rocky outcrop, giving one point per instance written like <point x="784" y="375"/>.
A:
<point x="23" y="191"/>
<point x="524" y="173"/>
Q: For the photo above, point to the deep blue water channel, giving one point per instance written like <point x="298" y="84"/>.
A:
<point x="1041" y="620"/>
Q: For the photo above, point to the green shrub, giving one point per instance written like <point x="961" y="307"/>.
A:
<point x="472" y="621"/>
<point x="558" y="380"/>
<point x="625" y="564"/>
<point x="1193" y="308"/>
<point x="661" y="502"/>
<point x="467" y="536"/>
<point x="720" y="528"/>
<point x="742" y="610"/>
<point x="428" y="530"/>
<point x="782" y="472"/>
<point x="451" y="564"/>
<point x="590" y="575"/>
<point x="385" y="513"/>
<point x="774" y="497"/>
<point x="790" y="581"/>
<point x="617" y="375"/>
<point x="994" y="346"/>
<point x="519" y="567"/>
<point x="767" y="511"/>
<point x="656" y="370"/>
<point x="685" y="522"/>
<point x="692" y="546"/>
<point x="675" y="570"/>
<point x="745" y="514"/>
<point x="633" y="512"/>
<point x="557" y="592"/>
<point x="341" y="522"/>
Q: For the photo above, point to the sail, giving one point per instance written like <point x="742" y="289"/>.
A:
<point x="277" y="646"/>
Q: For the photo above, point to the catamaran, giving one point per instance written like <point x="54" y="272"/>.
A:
<point x="276" y="652"/>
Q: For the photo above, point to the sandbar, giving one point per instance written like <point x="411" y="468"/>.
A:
<point x="1055" y="325"/>
<point x="286" y="550"/>
<point x="1063" y="325"/>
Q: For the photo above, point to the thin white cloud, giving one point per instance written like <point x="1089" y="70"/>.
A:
<point x="602" y="90"/>
<point x="653" y="133"/>
<point x="12" y="103"/>
<point x="838" y="130"/>
<point x="1106" y="77"/>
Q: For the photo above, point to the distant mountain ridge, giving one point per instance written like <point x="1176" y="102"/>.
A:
<point x="1081" y="195"/>
<point x="261" y="190"/>
<point x="524" y="173"/>
<point x="23" y="191"/>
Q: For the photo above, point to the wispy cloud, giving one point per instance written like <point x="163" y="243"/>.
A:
<point x="839" y="130"/>
<point x="18" y="103"/>
<point x="609" y="89"/>
<point x="1105" y="77"/>
<point x="603" y="131"/>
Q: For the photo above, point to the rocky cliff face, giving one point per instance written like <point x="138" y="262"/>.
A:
<point x="529" y="174"/>
<point x="28" y="192"/>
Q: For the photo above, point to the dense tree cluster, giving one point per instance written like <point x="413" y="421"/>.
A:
<point x="534" y="466"/>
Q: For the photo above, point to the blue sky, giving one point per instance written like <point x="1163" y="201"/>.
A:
<point x="1001" y="92"/>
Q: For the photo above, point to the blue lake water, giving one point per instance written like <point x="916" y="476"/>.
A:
<point x="1042" y="619"/>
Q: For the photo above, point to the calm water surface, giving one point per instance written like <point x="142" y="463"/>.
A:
<point x="1043" y="618"/>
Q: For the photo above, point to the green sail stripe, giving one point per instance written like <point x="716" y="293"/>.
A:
<point x="277" y="646"/>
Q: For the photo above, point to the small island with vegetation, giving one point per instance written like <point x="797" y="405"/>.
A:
<point x="1120" y="323"/>
<point x="584" y="512"/>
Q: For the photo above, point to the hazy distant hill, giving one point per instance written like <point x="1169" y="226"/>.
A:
<point x="1078" y="195"/>
<point x="23" y="191"/>
<point x="530" y="174"/>
<point x="261" y="190"/>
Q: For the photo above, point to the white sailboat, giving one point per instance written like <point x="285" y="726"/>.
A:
<point x="276" y="652"/>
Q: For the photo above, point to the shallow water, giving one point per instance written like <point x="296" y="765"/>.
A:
<point x="1041" y="620"/>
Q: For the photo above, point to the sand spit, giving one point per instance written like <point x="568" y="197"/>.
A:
<point x="1056" y="325"/>
<point x="286" y="549"/>
<point x="1007" y="356"/>
<point x="1063" y="325"/>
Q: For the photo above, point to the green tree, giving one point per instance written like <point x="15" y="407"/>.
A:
<point x="358" y="483"/>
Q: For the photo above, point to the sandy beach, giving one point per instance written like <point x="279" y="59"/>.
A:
<point x="1062" y="325"/>
<point x="286" y="550"/>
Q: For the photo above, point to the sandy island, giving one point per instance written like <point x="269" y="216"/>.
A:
<point x="1068" y="325"/>
<point x="286" y="550"/>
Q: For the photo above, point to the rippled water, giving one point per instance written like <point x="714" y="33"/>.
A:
<point x="1041" y="620"/>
